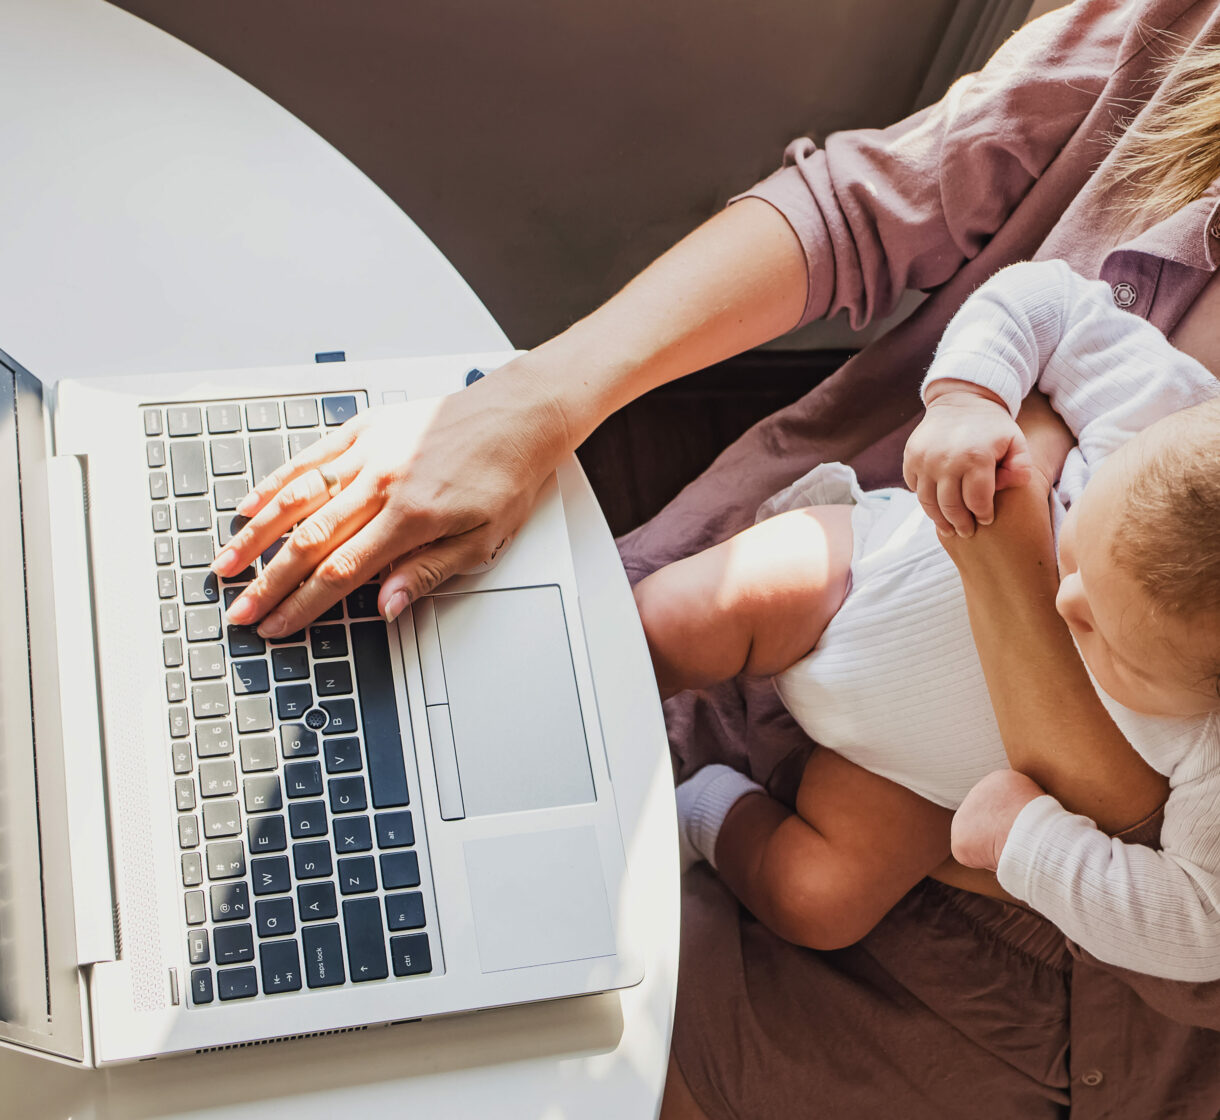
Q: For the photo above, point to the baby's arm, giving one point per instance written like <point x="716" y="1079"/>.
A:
<point x="1153" y="912"/>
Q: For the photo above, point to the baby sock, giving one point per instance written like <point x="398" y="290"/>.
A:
<point x="704" y="800"/>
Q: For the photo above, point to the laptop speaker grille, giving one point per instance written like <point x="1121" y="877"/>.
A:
<point x="284" y="1038"/>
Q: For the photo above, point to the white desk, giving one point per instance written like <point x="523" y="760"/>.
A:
<point x="157" y="213"/>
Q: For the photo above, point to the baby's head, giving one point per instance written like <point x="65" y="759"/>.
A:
<point x="1139" y="560"/>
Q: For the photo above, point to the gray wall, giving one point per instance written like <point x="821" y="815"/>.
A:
<point x="551" y="148"/>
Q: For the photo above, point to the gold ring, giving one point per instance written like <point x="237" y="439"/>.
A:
<point x="333" y="485"/>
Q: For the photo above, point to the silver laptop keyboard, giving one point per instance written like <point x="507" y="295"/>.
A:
<point x="298" y="859"/>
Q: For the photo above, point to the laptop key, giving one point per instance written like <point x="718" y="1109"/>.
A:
<point x="158" y="486"/>
<point x="341" y="715"/>
<point x="197" y="947"/>
<point x="228" y="492"/>
<point x="317" y="901"/>
<point x="399" y="869"/>
<point x="281" y="966"/>
<point x="234" y="944"/>
<point x="179" y="725"/>
<point x="338" y="410"/>
<point x="187" y="469"/>
<point x="184" y="794"/>
<point x="228" y="456"/>
<point x="223" y="418"/>
<point x="306" y="818"/>
<point x="311" y="859"/>
<point x="357" y="875"/>
<point x="175" y="687"/>
<point x="411" y="954"/>
<point x="250" y="677"/>
<point x="379" y="709"/>
<point x="405" y="910"/>
<point x="262" y="416"/>
<point x="203" y="624"/>
<point x="206" y="662"/>
<point x="266" y="454"/>
<point x="161" y="520"/>
<point x="266" y="834"/>
<point x="262" y="794"/>
<point x="333" y="678"/>
<point x="299" y="441"/>
<point x="180" y="752"/>
<point x="228" y="525"/>
<point x="253" y="714"/>
<point x="362" y="603"/>
<point x="352" y="834"/>
<point x="244" y="640"/>
<point x="217" y="779"/>
<point x="300" y="413"/>
<point x="188" y="831"/>
<point x="226" y="859"/>
<point x="342" y="754"/>
<point x="395" y="830"/>
<point x="347" y="794"/>
<point x="230" y="902"/>
<point x="152" y="421"/>
<point x="292" y="700"/>
<point x="184" y="421"/>
<point x="192" y="869"/>
<point x="290" y="664"/>
<point x="365" y="939"/>
<point x="297" y="741"/>
<point x="200" y="587"/>
<point x="193" y="904"/>
<point x="169" y="618"/>
<point x="273" y="917"/>
<point x="303" y="779"/>
<point x="167" y="584"/>
<point x="201" y="985"/>
<point x="209" y="700"/>
<point x="213" y="738"/>
<point x="164" y="550"/>
<point x="193" y="514"/>
<point x="328" y="641"/>
<point x="171" y="652"/>
<point x="270" y="875"/>
<point x="323" y="956"/>
<point x="154" y="453"/>
<point x="257" y="753"/>
<point x="220" y="819"/>
<point x="237" y="983"/>
<point x="196" y="551"/>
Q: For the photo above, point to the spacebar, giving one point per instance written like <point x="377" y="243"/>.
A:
<point x="382" y="739"/>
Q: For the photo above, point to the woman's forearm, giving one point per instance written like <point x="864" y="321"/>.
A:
<point x="1054" y="727"/>
<point x="735" y="282"/>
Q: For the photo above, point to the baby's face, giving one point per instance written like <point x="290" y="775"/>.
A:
<point x="1146" y="659"/>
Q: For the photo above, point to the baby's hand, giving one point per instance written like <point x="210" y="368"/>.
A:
<point x="965" y="449"/>
<point x="985" y="818"/>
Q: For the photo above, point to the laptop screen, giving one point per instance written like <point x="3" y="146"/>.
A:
<point x="39" y="990"/>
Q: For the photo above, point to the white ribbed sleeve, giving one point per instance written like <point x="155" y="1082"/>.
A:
<point x="1108" y="373"/>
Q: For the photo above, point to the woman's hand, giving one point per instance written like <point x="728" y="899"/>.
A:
<point x="432" y="487"/>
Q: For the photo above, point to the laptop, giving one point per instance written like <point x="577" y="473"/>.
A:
<point x="208" y="839"/>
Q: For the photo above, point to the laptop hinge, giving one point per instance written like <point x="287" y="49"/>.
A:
<point x="88" y="832"/>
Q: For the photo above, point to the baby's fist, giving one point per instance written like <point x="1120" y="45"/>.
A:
<point x="984" y="819"/>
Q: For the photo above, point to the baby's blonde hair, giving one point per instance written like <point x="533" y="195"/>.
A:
<point x="1169" y="536"/>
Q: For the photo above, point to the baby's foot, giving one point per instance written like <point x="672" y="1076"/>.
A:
<point x="704" y="800"/>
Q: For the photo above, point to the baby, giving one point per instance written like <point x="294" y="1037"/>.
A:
<point x="848" y="600"/>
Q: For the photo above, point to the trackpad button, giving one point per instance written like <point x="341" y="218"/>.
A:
<point x="539" y="898"/>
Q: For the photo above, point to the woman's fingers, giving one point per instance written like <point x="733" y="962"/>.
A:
<point x="298" y="499"/>
<point x="305" y="549"/>
<point x="427" y="568"/>
<point x="330" y="446"/>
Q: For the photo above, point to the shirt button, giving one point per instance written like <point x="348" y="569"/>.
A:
<point x="1125" y="294"/>
<point x="1092" y="1078"/>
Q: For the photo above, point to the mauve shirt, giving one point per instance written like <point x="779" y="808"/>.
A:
<point x="1005" y="167"/>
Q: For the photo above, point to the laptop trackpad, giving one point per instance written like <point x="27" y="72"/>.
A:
<point x="512" y="700"/>
<point x="538" y="898"/>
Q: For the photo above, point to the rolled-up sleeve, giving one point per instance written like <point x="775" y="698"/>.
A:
<point x="878" y="211"/>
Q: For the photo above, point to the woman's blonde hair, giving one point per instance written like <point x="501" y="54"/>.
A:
<point x="1170" y="158"/>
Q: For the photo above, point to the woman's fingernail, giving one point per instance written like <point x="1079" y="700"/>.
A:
<point x="272" y="626"/>
<point x="246" y="506"/>
<point x="396" y="605"/>
<point x="239" y="612"/>
<point x="223" y="564"/>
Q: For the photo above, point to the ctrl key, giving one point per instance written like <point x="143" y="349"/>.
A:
<point x="237" y="983"/>
<point x="410" y="954"/>
<point x="323" y="956"/>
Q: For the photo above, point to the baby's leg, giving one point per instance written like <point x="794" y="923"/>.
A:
<point x="753" y="604"/>
<point x="824" y="876"/>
